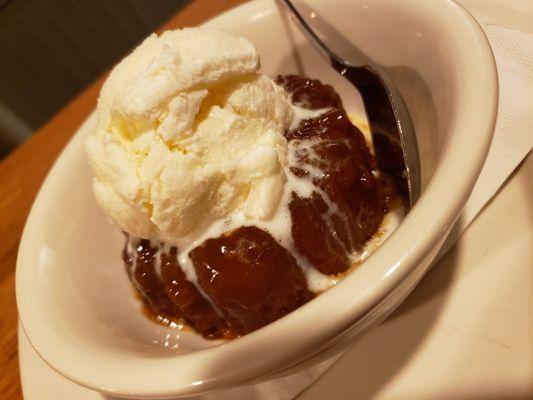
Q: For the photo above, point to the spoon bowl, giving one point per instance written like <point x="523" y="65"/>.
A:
<point x="390" y="124"/>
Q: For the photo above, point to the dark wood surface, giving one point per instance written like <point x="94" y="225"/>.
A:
<point x="21" y="175"/>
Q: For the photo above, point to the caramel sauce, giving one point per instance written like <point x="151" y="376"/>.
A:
<point x="250" y="277"/>
<point x="247" y="278"/>
<point x="326" y="238"/>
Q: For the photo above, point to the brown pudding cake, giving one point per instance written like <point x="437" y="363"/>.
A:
<point x="245" y="278"/>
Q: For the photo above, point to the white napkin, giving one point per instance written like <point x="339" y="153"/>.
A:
<point x="513" y="140"/>
<point x="513" y="137"/>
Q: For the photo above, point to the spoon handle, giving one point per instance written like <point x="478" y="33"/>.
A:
<point x="310" y="34"/>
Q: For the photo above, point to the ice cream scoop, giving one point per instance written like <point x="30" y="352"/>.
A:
<point x="189" y="132"/>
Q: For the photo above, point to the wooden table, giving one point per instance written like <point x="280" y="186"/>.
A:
<point x="445" y="293"/>
<point x="21" y="175"/>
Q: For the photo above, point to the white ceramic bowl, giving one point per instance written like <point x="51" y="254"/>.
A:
<point x="75" y="301"/>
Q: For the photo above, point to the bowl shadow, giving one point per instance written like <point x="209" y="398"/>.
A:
<point x="379" y="355"/>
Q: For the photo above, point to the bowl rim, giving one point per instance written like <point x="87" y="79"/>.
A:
<point x="463" y="164"/>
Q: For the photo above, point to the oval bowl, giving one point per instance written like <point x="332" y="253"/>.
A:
<point x="75" y="301"/>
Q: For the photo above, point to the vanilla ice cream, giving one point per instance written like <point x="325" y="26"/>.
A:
<point x="189" y="132"/>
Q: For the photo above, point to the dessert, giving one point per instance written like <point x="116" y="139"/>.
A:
<point x="241" y="198"/>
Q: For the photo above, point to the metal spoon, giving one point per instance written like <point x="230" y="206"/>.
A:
<point x="390" y="124"/>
